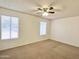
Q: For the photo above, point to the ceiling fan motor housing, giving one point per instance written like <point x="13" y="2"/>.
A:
<point x="45" y="9"/>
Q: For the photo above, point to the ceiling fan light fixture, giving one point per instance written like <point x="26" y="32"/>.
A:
<point x="45" y="14"/>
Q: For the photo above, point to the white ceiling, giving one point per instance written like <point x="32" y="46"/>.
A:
<point x="69" y="7"/>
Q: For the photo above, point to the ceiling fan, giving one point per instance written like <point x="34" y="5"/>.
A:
<point x="52" y="8"/>
<point x="46" y="10"/>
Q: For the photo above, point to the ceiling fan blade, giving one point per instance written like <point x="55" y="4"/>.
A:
<point x="51" y="8"/>
<point x="39" y="9"/>
<point x="57" y="8"/>
<point x="51" y="12"/>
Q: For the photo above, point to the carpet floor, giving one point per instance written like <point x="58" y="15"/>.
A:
<point x="47" y="49"/>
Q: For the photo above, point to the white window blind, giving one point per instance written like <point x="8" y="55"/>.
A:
<point x="43" y="26"/>
<point x="9" y="27"/>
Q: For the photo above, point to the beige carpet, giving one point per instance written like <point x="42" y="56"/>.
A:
<point x="47" y="49"/>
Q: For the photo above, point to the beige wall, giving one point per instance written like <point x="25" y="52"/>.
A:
<point x="66" y="30"/>
<point x="29" y="29"/>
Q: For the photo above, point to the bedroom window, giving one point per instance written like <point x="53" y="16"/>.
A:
<point x="43" y="26"/>
<point x="9" y="27"/>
